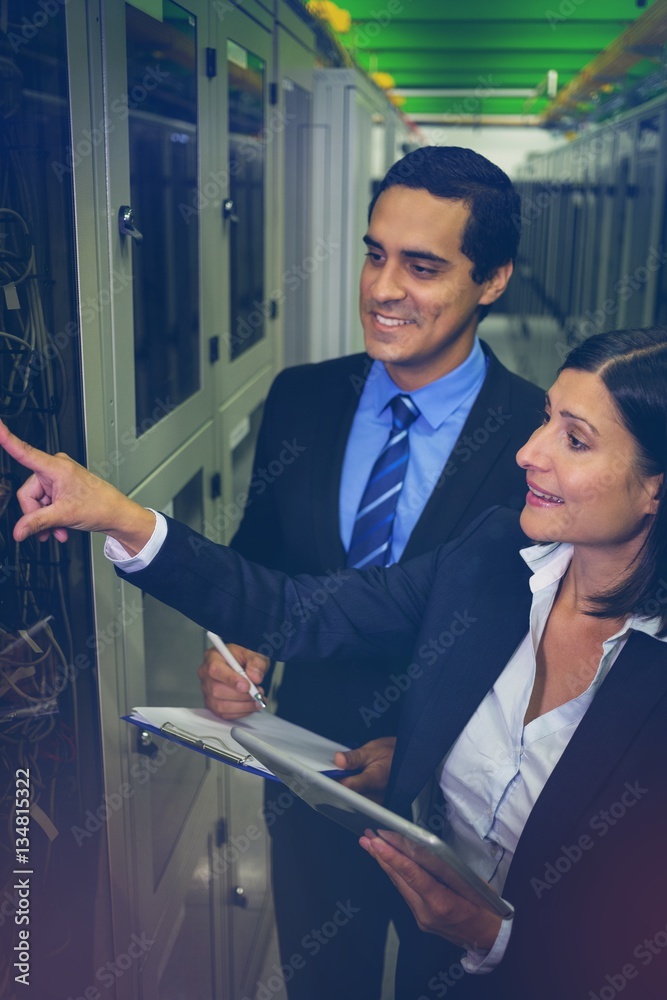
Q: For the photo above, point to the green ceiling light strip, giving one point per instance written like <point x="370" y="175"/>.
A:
<point x="435" y="69"/>
<point x="508" y="11"/>
<point x="521" y="38"/>
<point x="468" y="108"/>
<point x="465" y="92"/>
<point x="489" y="57"/>
<point x="476" y="120"/>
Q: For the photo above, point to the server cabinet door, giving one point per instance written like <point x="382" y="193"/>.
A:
<point x="643" y="257"/>
<point x="660" y="304"/>
<point x="603" y="280"/>
<point x="295" y="244"/>
<point x="244" y="134"/>
<point x="156" y="97"/>
<point x="172" y="793"/>
<point x="247" y="895"/>
<point x="299" y="257"/>
<point x="621" y="197"/>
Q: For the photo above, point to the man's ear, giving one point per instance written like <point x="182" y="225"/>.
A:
<point x="496" y="284"/>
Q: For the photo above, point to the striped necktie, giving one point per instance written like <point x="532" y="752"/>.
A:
<point x="373" y="525"/>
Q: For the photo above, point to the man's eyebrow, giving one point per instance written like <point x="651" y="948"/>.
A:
<point x="424" y="255"/>
<point x="412" y="254"/>
<point x="573" y="416"/>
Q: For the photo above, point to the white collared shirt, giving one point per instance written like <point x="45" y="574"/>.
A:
<point x="497" y="768"/>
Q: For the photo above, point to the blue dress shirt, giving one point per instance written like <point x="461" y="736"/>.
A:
<point x="444" y="407"/>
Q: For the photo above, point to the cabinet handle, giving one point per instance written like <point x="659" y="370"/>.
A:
<point x="239" y="897"/>
<point x="228" y="210"/>
<point x="126" y="226"/>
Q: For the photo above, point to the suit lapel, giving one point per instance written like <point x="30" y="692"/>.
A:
<point x="445" y="698"/>
<point x="635" y="684"/>
<point x="467" y="468"/>
<point x="336" y="414"/>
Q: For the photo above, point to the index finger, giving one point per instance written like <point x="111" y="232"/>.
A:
<point x="31" y="458"/>
<point x="216" y="669"/>
<point x="406" y="874"/>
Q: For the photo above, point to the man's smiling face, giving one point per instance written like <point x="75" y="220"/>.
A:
<point x="418" y="301"/>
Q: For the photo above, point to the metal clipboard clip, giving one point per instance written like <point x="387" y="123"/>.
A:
<point x="222" y="751"/>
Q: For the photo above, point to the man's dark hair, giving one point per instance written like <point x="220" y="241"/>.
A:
<point x="632" y="364"/>
<point x="491" y="235"/>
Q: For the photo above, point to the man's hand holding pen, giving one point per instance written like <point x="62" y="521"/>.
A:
<point x="225" y="692"/>
<point x="227" y="695"/>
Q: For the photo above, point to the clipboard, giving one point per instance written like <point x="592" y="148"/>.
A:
<point x="359" y="814"/>
<point x="200" y="730"/>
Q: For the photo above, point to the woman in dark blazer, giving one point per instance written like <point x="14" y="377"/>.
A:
<point x="537" y="690"/>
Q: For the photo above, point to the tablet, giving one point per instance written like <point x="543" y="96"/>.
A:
<point x="358" y="814"/>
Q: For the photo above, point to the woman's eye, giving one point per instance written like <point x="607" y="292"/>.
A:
<point x="575" y="443"/>
<point x="545" y="417"/>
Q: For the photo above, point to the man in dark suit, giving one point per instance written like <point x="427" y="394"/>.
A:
<point x="441" y="241"/>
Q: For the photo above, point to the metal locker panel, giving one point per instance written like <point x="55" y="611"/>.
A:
<point x="344" y="107"/>
<point x="162" y="316"/>
<point x="293" y="246"/>
<point x="244" y="157"/>
<point x="642" y="234"/>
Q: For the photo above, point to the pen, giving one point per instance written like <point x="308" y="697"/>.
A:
<point x="236" y="666"/>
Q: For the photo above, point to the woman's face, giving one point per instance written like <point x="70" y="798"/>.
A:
<point x="584" y="484"/>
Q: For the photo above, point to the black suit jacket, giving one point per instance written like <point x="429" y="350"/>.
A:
<point x="589" y="877"/>
<point x="291" y="521"/>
